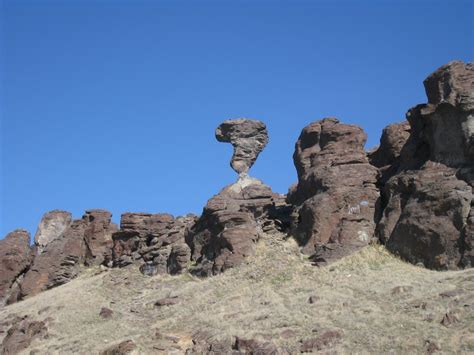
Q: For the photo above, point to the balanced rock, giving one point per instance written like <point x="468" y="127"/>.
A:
<point x="335" y="198"/>
<point x="248" y="138"/>
<point x="52" y="225"/>
<point x="428" y="213"/>
<point x="15" y="258"/>
<point x="231" y="224"/>
<point x="155" y="242"/>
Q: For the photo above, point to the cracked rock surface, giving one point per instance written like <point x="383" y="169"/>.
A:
<point x="248" y="137"/>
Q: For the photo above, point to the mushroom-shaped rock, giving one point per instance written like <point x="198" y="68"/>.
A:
<point x="248" y="137"/>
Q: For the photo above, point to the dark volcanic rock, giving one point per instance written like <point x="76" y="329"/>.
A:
<point x="98" y="236"/>
<point x="248" y="137"/>
<point x="334" y="200"/>
<point x="15" y="258"/>
<point x="122" y="348"/>
<point x="387" y="156"/>
<point x="254" y="347"/>
<point x="428" y="202"/>
<point x="84" y="241"/>
<point x="58" y="263"/>
<point x="156" y="242"/>
<point x="21" y="334"/>
<point x="52" y="225"/>
<point x="230" y="225"/>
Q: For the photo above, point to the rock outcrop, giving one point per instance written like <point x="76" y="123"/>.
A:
<point x="336" y="195"/>
<point x="51" y="226"/>
<point x="15" y="258"/>
<point x="84" y="241"/>
<point x="428" y="202"/>
<point x="155" y="242"/>
<point x="21" y="334"/>
<point x="248" y="138"/>
<point x="231" y="224"/>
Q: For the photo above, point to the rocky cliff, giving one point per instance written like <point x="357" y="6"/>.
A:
<point x="414" y="194"/>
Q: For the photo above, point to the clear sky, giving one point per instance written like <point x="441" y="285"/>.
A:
<point x="113" y="104"/>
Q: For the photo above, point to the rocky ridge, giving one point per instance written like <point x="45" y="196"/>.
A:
<point x="413" y="194"/>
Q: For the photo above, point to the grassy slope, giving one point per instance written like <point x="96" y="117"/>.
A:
<point x="263" y="298"/>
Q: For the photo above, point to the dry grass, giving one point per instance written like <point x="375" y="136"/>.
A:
<point x="263" y="298"/>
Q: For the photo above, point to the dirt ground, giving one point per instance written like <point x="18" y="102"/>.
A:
<point x="376" y="302"/>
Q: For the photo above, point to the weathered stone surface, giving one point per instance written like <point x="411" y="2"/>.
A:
<point x="155" y="242"/>
<point x="248" y="138"/>
<point x="52" y="225"/>
<point x="326" y="340"/>
<point x="21" y="334"/>
<point x="85" y="241"/>
<point x="122" y="348"/>
<point x="58" y="263"/>
<point x="387" y="156"/>
<point x="427" y="204"/>
<point x="15" y="258"/>
<point x="255" y="346"/>
<point x="98" y="236"/>
<point x="230" y="225"/>
<point x="334" y="200"/>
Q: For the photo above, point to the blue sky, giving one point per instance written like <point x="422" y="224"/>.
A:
<point x="113" y="104"/>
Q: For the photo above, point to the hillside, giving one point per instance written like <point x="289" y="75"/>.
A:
<point x="369" y="300"/>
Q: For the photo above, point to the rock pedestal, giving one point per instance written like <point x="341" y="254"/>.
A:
<point x="335" y="198"/>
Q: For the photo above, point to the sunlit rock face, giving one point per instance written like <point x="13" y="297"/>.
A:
<point x="335" y="198"/>
<point x="248" y="137"/>
<point x="428" y="214"/>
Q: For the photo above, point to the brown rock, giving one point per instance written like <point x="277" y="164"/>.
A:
<point x="326" y="340"/>
<point x="387" y="156"/>
<point x="106" y="313"/>
<point x="254" y="346"/>
<point x="15" y="258"/>
<point x="51" y="226"/>
<point x="248" y="137"/>
<point x="427" y="205"/>
<point x="227" y="231"/>
<point x="168" y="301"/>
<point x="449" y="319"/>
<point x="21" y="334"/>
<point x="58" y="263"/>
<point x="156" y="242"/>
<point x="98" y="236"/>
<point x="313" y="299"/>
<point x="122" y="348"/>
<point x="334" y="201"/>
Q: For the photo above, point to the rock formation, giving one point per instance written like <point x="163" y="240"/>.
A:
<point x="155" y="242"/>
<point x="15" y="258"/>
<point x="85" y="241"/>
<point x="52" y="225"/>
<point x="231" y="224"/>
<point x="248" y="137"/>
<point x="232" y="220"/>
<point x="334" y="200"/>
<point x="428" y="202"/>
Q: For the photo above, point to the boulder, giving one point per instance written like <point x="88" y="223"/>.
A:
<point x="428" y="202"/>
<point x="248" y="138"/>
<point x="21" y="334"/>
<point x="15" y="259"/>
<point x="230" y="225"/>
<point x="336" y="195"/>
<point x="51" y="226"/>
